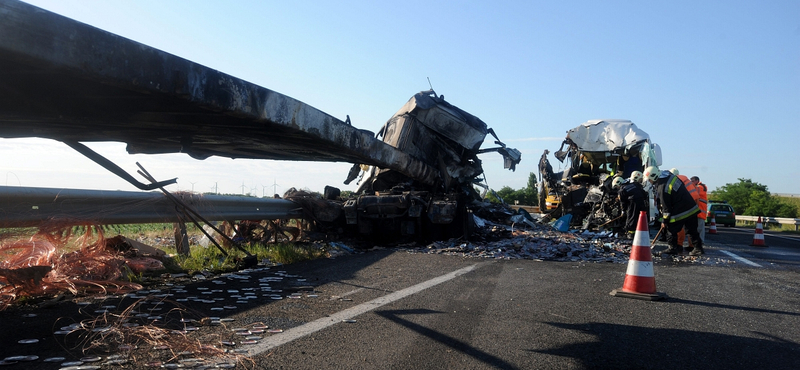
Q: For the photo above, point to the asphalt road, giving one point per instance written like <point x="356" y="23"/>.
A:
<point x="526" y="315"/>
<point x="392" y="309"/>
<point x="782" y="250"/>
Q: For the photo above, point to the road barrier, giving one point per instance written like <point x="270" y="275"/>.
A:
<point x="772" y="220"/>
<point x="25" y="207"/>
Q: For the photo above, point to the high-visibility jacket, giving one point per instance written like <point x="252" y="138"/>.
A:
<point x="700" y="197"/>
<point x="673" y="198"/>
<point x="690" y="187"/>
<point x="702" y="190"/>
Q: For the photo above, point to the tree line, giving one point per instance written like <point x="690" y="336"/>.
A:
<point x="528" y="196"/>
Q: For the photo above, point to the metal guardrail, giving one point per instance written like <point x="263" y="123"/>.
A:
<point x="25" y="207"/>
<point x="772" y="220"/>
<point x="529" y="209"/>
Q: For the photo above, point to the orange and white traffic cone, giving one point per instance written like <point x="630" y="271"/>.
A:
<point x="712" y="229"/>
<point x="758" y="237"/>
<point x="640" y="283"/>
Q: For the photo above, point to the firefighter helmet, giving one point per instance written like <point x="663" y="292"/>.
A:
<point x="617" y="182"/>
<point x="674" y="171"/>
<point x="636" y="176"/>
<point x="651" y="173"/>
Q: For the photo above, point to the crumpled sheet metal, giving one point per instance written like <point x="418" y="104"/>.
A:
<point x="606" y="135"/>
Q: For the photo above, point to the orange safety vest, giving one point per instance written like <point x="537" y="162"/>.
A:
<point x="702" y="203"/>
<point x="691" y="188"/>
<point x="700" y="195"/>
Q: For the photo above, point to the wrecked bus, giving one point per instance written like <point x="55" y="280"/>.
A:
<point x="444" y="137"/>
<point x="592" y="154"/>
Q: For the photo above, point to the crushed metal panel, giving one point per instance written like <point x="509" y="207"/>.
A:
<point x="445" y="119"/>
<point x="606" y="135"/>
<point x="69" y="81"/>
<point x="443" y="211"/>
<point x="438" y="134"/>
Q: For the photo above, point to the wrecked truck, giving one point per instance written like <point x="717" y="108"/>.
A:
<point x="592" y="154"/>
<point x="420" y="168"/>
<point x="390" y="203"/>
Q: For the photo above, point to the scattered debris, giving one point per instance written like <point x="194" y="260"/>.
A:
<point x="542" y="242"/>
<point x="47" y="263"/>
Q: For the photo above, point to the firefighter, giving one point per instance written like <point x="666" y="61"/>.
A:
<point x="689" y="185"/>
<point x="633" y="199"/>
<point x="678" y="209"/>
<point x="695" y="192"/>
<point x="636" y="176"/>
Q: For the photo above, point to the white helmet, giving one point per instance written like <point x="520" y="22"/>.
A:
<point x="651" y="173"/>
<point x="617" y="182"/>
<point x="636" y="176"/>
<point x="674" y="171"/>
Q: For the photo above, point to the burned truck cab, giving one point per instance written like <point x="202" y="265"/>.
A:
<point x="448" y="141"/>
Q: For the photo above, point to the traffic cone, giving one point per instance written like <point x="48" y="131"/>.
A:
<point x="758" y="237"/>
<point x="713" y="228"/>
<point x="639" y="280"/>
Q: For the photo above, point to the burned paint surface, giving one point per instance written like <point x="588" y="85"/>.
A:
<point x="439" y="134"/>
<point x="68" y="81"/>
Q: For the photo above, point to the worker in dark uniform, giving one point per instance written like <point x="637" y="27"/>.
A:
<point x="633" y="199"/>
<point x="629" y="163"/>
<point x="678" y="209"/>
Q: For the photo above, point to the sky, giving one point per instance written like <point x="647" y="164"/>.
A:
<point x="716" y="84"/>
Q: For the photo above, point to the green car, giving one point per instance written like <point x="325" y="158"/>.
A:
<point x="722" y="212"/>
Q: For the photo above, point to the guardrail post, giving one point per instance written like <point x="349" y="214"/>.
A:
<point x="181" y="239"/>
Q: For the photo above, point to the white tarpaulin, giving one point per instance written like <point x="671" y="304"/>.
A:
<point x="605" y="135"/>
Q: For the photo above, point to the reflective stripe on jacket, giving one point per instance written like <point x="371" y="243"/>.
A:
<point x="691" y="188"/>
<point x="674" y="199"/>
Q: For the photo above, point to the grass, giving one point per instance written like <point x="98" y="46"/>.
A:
<point x="795" y="201"/>
<point x="146" y="230"/>
<point x="212" y="259"/>
<point x="784" y="228"/>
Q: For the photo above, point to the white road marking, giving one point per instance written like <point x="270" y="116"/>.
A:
<point x="351" y="292"/>
<point x="740" y="258"/>
<point x="336" y="318"/>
